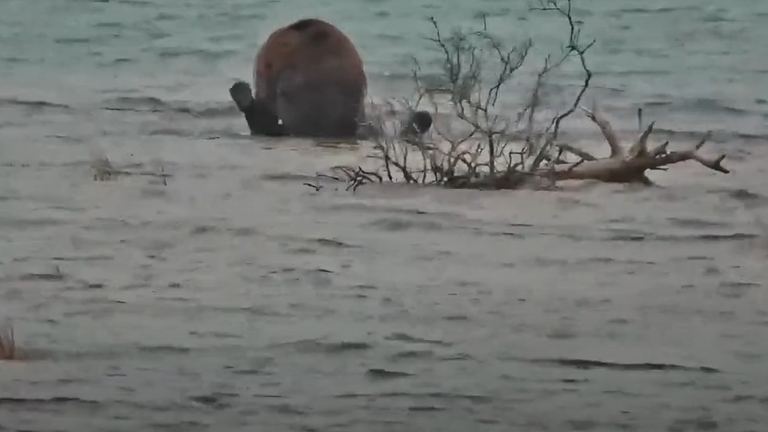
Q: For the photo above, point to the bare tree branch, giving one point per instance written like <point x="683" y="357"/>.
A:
<point x="476" y="68"/>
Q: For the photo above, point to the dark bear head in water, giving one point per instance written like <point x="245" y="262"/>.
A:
<point x="419" y="123"/>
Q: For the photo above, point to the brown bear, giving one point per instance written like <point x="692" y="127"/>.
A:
<point x="310" y="82"/>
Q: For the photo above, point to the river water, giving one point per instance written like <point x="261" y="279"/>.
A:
<point x="234" y="297"/>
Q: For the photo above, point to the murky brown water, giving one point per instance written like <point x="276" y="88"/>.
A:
<point x="236" y="296"/>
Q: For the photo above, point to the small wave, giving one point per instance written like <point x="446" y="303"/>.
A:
<point x="35" y="104"/>
<point x="29" y="222"/>
<point x="53" y="275"/>
<point x="404" y="337"/>
<point x="420" y="408"/>
<point x="172" y="132"/>
<point x="201" y="54"/>
<point x="639" y="72"/>
<point x="378" y="373"/>
<point x="717" y="17"/>
<point x="661" y="10"/>
<point x="738" y="236"/>
<point x="108" y="24"/>
<point x="83" y="258"/>
<point x="164" y="349"/>
<point x="130" y="2"/>
<point x="215" y="400"/>
<point x="748" y="398"/>
<point x="235" y="232"/>
<point x="696" y="223"/>
<point x="143" y="103"/>
<point x="598" y="364"/>
<point x="333" y="243"/>
<point x="166" y="16"/>
<point x="288" y="176"/>
<point x="57" y="400"/>
<point x="747" y="198"/>
<point x="412" y="354"/>
<point x="73" y="40"/>
<point x="709" y="105"/>
<point x="735" y="289"/>
<point x="322" y="347"/>
<point x="399" y="224"/>
<point x="720" y="137"/>
<point x="226" y="37"/>
<point x="362" y="207"/>
<point x="700" y="106"/>
<point x="751" y="137"/>
<point x="153" y="104"/>
<point x="14" y="59"/>
<point x="417" y="395"/>
<point x="116" y="61"/>
<point x="213" y="334"/>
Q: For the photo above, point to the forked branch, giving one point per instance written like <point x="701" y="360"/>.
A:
<point x="631" y="168"/>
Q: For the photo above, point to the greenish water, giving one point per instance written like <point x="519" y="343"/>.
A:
<point x="235" y="298"/>
<point x="690" y="63"/>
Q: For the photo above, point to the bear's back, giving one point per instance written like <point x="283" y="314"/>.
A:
<point x="312" y="46"/>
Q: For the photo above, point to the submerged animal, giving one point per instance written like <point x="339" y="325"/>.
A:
<point x="310" y="82"/>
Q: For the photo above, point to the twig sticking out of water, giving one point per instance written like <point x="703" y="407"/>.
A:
<point x="354" y="177"/>
<point x="763" y="239"/>
<point x="103" y="170"/>
<point x="7" y="344"/>
<point x="476" y="68"/>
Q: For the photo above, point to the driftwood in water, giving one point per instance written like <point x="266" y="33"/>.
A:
<point x="483" y="155"/>
<point x="621" y="166"/>
<point x="628" y="166"/>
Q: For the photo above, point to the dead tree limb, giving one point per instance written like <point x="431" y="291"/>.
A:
<point x="631" y="167"/>
<point x="475" y="68"/>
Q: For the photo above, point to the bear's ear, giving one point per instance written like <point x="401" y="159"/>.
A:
<point x="422" y="120"/>
<point x="418" y="123"/>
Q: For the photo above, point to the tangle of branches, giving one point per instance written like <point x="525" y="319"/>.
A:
<point x="497" y="151"/>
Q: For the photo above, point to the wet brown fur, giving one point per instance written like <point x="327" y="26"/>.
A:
<point x="311" y="75"/>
